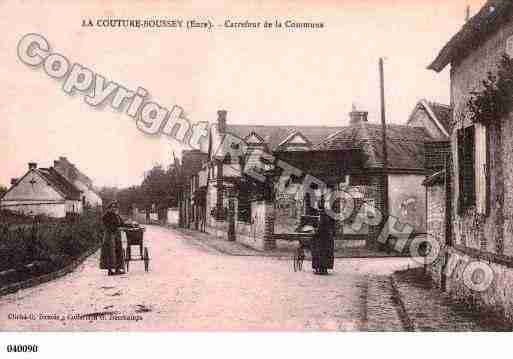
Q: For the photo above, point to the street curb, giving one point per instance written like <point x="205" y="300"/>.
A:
<point x="259" y="253"/>
<point x="12" y="288"/>
<point x="407" y="321"/>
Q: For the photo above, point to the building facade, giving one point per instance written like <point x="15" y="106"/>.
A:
<point x="239" y="189"/>
<point x="476" y="264"/>
<point x="42" y="191"/>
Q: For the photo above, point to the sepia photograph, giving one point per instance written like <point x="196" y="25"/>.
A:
<point x="255" y="167"/>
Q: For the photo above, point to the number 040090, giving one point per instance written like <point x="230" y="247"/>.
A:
<point x="19" y="348"/>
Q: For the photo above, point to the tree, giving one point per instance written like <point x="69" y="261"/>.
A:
<point x="108" y="194"/>
<point x="160" y="187"/>
<point x="129" y="198"/>
<point x="3" y="189"/>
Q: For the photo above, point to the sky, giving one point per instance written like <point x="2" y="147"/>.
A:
<point x="268" y="77"/>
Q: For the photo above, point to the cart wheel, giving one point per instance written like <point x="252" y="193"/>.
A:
<point x="146" y="259"/>
<point x="127" y="258"/>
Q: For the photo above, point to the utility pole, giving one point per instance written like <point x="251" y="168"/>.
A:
<point x="384" y="138"/>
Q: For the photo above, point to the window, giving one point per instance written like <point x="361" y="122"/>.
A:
<point x="466" y="170"/>
<point x="473" y="168"/>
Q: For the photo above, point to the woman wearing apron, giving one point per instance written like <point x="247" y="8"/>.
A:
<point x="111" y="257"/>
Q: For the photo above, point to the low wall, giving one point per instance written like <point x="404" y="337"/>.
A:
<point x="250" y="234"/>
<point x="245" y="233"/>
<point x="436" y="228"/>
<point x="173" y="216"/>
<point x="497" y="299"/>
<point x="54" y="210"/>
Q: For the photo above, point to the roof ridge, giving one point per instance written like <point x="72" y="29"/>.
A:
<point x="439" y="104"/>
<point x="284" y="125"/>
<point x="388" y="139"/>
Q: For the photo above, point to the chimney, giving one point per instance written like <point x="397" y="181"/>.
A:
<point x="221" y="120"/>
<point x="32" y="166"/>
<point x="14" y="181"/>
<point x="356" y="116"/>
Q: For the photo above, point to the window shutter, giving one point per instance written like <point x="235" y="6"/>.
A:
<point x="460" y="147"/>
<point x="481" y="168"/>
<point x="466" y="171"/>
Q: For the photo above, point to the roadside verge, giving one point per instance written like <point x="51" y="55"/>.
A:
<point x="14" y="287"/>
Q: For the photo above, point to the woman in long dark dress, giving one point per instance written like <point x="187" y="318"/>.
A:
<point x="323" y="245"/>
<point x="111" y="257"/>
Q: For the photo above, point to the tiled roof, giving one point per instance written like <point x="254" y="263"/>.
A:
<point x="486" y="21"/>
<point x="274" y="135"/>
<point x="405" y="144"/>
<point x="62" y="184"/>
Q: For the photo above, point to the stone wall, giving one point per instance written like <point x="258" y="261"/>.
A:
<point x="497" y="299"/>
<point x="172" y="216"/>
<point x="257" y="234"/>
<point x="476" y="235"/>
<point x="30" y="208"/>
<point x="466" y="76"/>
<point x="436" y="226"/>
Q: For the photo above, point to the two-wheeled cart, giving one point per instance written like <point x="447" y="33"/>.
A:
<point x="303" y="235"/>
<point x="316" y="234"/>
<point x="135" y="237"/>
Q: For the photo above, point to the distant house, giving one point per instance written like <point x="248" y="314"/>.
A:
<point x="42" y="191"/>
<point x="434" y="117"/>
<point x="191" y="199"/>
<point x="477" y="227"/>
<point x="414" y="151"/>
<point x="68" y="170"/>
<point x="221" y="197"/>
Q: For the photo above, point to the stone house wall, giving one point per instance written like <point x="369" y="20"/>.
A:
<point x="476" y="236"/>
<point x="436" y="227"/>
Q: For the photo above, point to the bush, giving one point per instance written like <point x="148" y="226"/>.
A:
<point x="48" y="240"/>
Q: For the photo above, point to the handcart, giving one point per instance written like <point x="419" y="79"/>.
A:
<point x="316" y="234"/>
<point x="304" y="234"/>
<point x="135" y="237"/>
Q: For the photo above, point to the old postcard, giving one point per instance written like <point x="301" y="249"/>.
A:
<point x="294" y="166"/>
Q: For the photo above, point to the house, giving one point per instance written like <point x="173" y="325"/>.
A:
<point x="476" y="264"/>
<point x="414" y="151"/>
<point x="191" y="204"/>
<point x="42" y="191"/>
<point x="225" y="197"/>
<point x="68" y="170"/>
<point x="209" y="197"/>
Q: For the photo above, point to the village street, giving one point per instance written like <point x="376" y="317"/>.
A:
<point x="193" y="287"/>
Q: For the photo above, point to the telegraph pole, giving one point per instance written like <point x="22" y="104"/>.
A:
<point x="384" y="134"/>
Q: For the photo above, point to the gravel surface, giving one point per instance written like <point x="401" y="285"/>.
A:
<point x="191" y="286"/>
